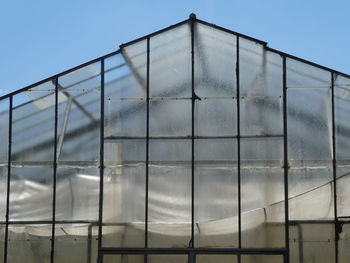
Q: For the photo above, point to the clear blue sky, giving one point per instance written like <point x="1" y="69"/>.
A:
<point x="39" y="38"/>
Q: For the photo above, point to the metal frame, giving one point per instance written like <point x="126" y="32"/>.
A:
<point x="191" y="250"/>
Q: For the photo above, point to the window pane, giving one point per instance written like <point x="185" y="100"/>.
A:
<point x="4" y="133"/>
<point x="29" y="243"/>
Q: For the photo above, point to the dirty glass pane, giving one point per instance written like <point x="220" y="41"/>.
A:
<point x="76" y="243"/>
<point x="170" y="117"/>
<point x="216" y="117"/>
<point x="77" y="193"/>
<point x="310" y="242"/>
<point x="215" y="188"/>
<point x="342" y="136"/>
<point x="4" y="133"/>
<point x="305" y="76"/>
<point x="79" y="115"/>
<point x="167" y="258"/>
<point x="344" y="242"/>
<point x="124" y="193"/>
<point x="123" y="258"/>
<point x="214" y="62"/>
<point x="309" y="153"/>
<point x="262" y="192"/>
<point x="261" y="259"/>
<point x="29" y="243"/>
<point x="260" y="71"/>
<point x="169" y="193"/>
<point x="216" y="259"/>
<point x="170" y="63"/>
<point x="2" y="240"/>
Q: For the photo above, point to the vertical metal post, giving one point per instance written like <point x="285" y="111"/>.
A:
<point x="192" y="18"/>
<point x="54" y="174"/>
<point x="147" y="147"/>
<point x="8" y="179"/>
<point x="334" y="160"/>
<point x="238" y="149"/>
<point x="100" y="215"/>
<point x="285" y="161"/>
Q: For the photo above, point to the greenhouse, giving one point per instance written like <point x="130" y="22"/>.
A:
<point x="192" y="144"/>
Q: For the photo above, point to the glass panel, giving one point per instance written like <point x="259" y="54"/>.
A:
<point x="262" y="194"/>
<point x="216" y="195"/>
<point x="344" y="242"/>
<point x="29" y="243"/>
<point x="76" y="243"/>
<point x="2" y="240"/>
<point x="215" y="62"/>
<point x="33" y="125"/>
<point x="168" y="258"/>
<point x="309" y="152"/>
<point x="123" y="259"/>
<point x="342" y="136"/>
<point x="31" y="194"/>
<point x="216" y="259"/>
<point x="260" y="71"/>
<point x="216" y="117"/>
<point x="78" y="115"/>
<point x="77" y="193"/>
<point x="169" y="193"/>
<point x="261" y="116"/>
<point x="310" y="242"/>
<point x="302" y="75"/>
<point x="170" y="63"/>
<point x="170" y="117"/>
<point x="4" y="135"/>
<point x="261" y="259"/>
<point x="124" y="193"/>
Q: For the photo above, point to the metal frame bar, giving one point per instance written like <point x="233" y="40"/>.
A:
<point x="54" y="174"/>
<point x="238" y="149"/>
<point x="100" y="215"/>
<point x="147" y="145"/>
<point x="334" y="163"/>
<point x="8" y="178"/>
<point x="285" y="158"/>
<point x="192" y="21"/>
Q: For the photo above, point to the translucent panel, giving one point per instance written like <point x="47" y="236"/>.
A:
<point x="261" y="116"/>
<point x="261" y="259"/>
<point x="2" y="240"/>
<point x="78" y="115"/>
<point x="310" y="154"/>
<point x="31" y="194"/>
<point x="262" y="194"/>
<point x="167" y="258"/>
<point x="170" y="117"/>
<point x="260" y="71"/>
<point x="33" y="125"/>
<point x="312" y="243"/>
<point x="29" y="243"/>
<point x="123" y="259"/>
<point x="216" y="259"/>
<point x="169" y="193"/>
<point x="170" y="63"/>
<point x="4" y="135"/>
<point x="216" y="117"/>
<point x="77" y="193"/>
<point x="302" y="75"/>
<point x="125" y="117"/>
<point x="216" y="195"/>
<point x="342" y="136"/>
<point x="4" y="130"/>
<point x="124" y="194"/>
<point x="75" y="243"/>
<point x="125" y="73"/>
<point x="344" y="243"/>
<point x="215" y="62"/>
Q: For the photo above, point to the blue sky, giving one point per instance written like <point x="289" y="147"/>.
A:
<point x="40" y="38"/>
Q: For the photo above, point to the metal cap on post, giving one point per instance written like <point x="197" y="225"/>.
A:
<point x="193" y="16"/>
